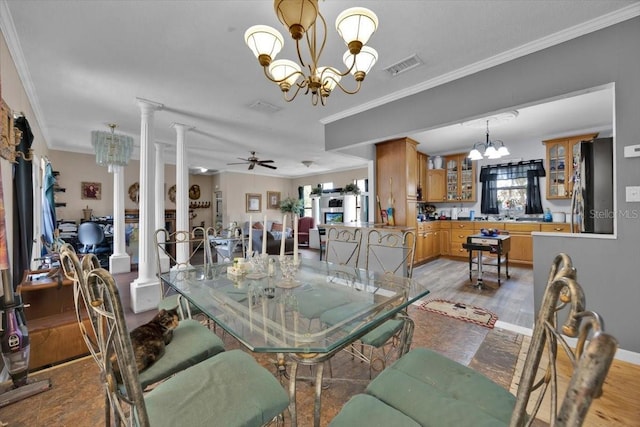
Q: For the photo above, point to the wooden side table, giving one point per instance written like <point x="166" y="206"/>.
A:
<point x="51" y="319"/>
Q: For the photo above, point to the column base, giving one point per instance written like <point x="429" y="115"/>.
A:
<point x="145" y="294"/>
<point x="119" y="263"/>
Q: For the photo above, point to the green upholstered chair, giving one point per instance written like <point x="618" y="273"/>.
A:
<point x="427" y="389"/>
<point x="180" y="250"/>
<point x="386" y="253"/>
<point x="229" y="389"/>
<point x="192" y="342"/>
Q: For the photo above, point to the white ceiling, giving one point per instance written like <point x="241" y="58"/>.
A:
<point x="84" y="63"/>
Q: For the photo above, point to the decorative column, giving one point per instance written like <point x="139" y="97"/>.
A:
<point x="146" y="290"/>
<point x="119" y="261"/>
<point x="182" y="190"/>
<point x="160" y="207"/>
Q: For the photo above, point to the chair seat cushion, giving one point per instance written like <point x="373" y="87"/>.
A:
<point x="436" y="391"/>
<point x="366" y="411"/>
<point x="192" y="343"/>
<point x="382" y="333"/>
<point x="230" y="389"/>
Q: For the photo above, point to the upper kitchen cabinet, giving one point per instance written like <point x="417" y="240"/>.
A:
<point x="436" y="188"/>
<point x="397" y="177"/>
<point x="562" y="156"/>
<point x="422" y="176"/>
<point x="461" y="178"/>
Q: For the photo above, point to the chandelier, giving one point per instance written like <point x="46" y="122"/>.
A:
<point x="304" y="21"/>
<point x="491" y="148"/>
<point x="111" y="149"/>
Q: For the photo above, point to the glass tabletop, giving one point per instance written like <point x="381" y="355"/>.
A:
<point x="320" y="309"/>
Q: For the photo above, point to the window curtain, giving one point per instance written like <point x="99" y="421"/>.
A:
<point x="532" y="170"/>
<point x="301" y="197"/>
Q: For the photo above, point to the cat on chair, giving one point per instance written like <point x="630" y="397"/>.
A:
<point x="150" y="339"/>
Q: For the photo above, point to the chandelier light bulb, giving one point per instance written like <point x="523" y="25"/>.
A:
<point x="265" y="42"/>
<point x="285" y="71"/>
<point x="356" y="25"/>
<point x="503" y="151"/>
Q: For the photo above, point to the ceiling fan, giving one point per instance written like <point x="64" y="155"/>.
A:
<point x="252" y="161"/>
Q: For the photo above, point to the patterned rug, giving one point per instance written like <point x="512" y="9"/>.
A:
<point x="461" y="311"/>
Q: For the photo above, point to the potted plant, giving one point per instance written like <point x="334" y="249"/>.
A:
<point x="291" y="205"/>
<point x="316" y="191"/>
<point x="350" y="188"/>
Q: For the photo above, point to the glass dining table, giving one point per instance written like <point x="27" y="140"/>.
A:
<point x="273" y="305"/>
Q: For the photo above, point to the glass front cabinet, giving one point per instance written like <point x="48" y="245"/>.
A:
<point x="461" y="178"/>
<point x="562" y="157"/>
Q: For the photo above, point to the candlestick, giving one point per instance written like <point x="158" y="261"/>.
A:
<point x="264" y="236"/>
<point x="284" y="227"/>
<point x="295" y="239"/>
<point x="250" y="250"/>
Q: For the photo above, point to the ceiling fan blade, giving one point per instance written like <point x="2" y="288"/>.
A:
<point x="265" y="161"/>
<point x="267" y="166"/>
<point x="252" y="165"/>
<point x="239" y="163"/>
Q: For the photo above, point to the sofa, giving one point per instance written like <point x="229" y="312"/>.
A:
<point x="275" y="232"/>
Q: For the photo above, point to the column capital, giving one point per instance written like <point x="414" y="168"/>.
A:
<point x="147" y="105"/>
<point x="178" y="126"/>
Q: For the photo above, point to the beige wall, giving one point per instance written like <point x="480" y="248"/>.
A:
<point x="339" y="179"/>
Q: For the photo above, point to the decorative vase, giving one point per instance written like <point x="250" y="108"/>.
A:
<point x="86" y="214"/>
<point x="437" y="162"/>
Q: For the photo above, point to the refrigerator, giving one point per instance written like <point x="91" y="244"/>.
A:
<point x="592" y="197"/>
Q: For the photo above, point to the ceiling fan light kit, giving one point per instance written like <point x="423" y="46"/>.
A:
<point x="303" y="18"/>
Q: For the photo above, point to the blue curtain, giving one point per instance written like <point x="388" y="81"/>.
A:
<point x="48" y="206"/>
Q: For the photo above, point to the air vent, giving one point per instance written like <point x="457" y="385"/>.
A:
<point x="404" y="65"/>
<point x="264" y="107"/>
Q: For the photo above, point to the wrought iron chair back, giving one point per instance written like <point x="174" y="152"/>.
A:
<point x="343" y="246"/>
<point x="590" y="357"/>
<point x="391" y="253"/>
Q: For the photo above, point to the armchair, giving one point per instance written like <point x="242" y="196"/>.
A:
<point x="305" y="224"/>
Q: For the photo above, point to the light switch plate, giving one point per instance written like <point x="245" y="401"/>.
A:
<point x="632" y="151"/>
<point x="633" y="194"/>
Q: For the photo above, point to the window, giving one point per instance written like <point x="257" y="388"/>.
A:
<point x="512" y="186"/>
<point x="512" y="196"/>
<point x="306" y="191"/>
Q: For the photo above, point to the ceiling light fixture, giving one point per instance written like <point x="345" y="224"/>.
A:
<point x="307" y="163"/>
<point x="492" y="149"/>
<point x="111" y="149"/>
<point x="302" y="18"/>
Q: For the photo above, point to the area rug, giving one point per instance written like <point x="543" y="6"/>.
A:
<point x="461" y="311"/>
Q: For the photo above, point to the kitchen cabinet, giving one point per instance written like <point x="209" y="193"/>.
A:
<point x="445" y="237"/>
<point x="436" y="187"/>
<point x="396" y="174"/>
<point x="556" y="227"/>
<point x="562" y="156"/>
<point x="422" y="176"/>
<point x="521" y="241"/>
<point x="460" y="178"/>
<point x="460" y="230"/>
<point x="427" y="241"/>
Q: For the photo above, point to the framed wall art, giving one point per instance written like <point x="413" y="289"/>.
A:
<point x="254" y="202"/>
<point x="273" y="200"/>
<point x="91" y="190"/>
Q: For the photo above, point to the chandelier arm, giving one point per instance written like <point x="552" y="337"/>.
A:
<point x="345" y="90"/>
<point x="267" y="75"/>
<point x="298" y="87"/>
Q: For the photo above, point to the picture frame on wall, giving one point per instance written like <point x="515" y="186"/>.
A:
<point x="273" y="200"/>
<point x="254" y="202"/>
<point x="91" y="190"/>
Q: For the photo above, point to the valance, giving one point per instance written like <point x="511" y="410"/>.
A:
<point x="523" y="169"/>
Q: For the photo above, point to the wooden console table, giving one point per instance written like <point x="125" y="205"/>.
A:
<point x="51" y="320"/>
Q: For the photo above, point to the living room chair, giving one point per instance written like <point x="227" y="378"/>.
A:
<point x="426" y="388"/>
<point x="92" y="240"/>
<point x="229" y="389"/>
<point x="305" y="224"/>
